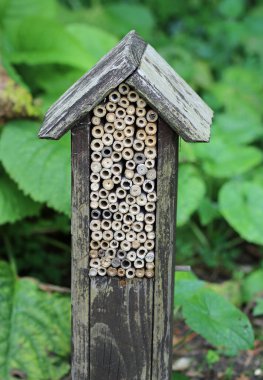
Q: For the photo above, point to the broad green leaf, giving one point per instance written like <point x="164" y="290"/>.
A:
<point x="232" y="8"/>
<point x="48" y="42"/>
<point x="252" y="285"/>
<point x="93" y="39"/>
<point x="35" y="330"/>
<point x="179" y="376"/>
<point x="208" y="211"/>
<point x="241" y="203"/>
<point x="258" y="310"/>
<point x="253" y="41"/>
<point x="40" y="167"/>
<point x="186" y="285"/>
<point x="14" y="205"/>
<point x="240" y="127"/>
<point x="219" y="322"/>
<point x="120" y="18"/>
<point x="191" y="190"/>
<point x="225" y="160"/>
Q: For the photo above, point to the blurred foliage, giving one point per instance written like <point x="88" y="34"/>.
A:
<point x="217" y="47"/>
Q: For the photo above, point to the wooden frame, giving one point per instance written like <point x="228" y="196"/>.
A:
<point x="122" y="329"/>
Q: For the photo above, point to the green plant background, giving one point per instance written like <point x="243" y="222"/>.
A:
<point x="216" y="46"/>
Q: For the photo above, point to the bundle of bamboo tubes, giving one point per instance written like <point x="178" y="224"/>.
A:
<point x="123" y="186"/>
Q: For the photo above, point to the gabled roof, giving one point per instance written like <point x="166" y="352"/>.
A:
<point x="137" y="63"/>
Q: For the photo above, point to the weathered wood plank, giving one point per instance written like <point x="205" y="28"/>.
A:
<point x="165" y="252"/>
<point x="80" y="283"/>
<point x="90" y="89"/>
<point x="121" y="329"/>
<point x="175" y="101"/>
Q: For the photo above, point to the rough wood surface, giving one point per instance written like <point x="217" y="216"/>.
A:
<point x="121" y="329"/>
<point x="90" y="89"/>
<point x="167" y="171"/>
<point x="172" y="97"/>
<point x="80" y="283"/>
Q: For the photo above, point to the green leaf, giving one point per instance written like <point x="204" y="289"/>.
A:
<point x="258" y="310"/>
<point x="208" y="211"/>
<point x="179" y="376"/>
<point x="48" y="42"/>
<point x="186" y="285"/>
<point x="241" y="203"/>
<point x="252" y="285"/>
<point x="219" y="322"/>
<point x="35" y="330"/>
<point x="14" y="205"/>
<point x="93" y="39"/>
<point x="224" y="160"/>
<point x="191" y="190"/>
<point x="40" y="167"/>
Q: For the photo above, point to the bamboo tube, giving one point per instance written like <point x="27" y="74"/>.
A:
<point x="110" y="117"/>
<point x="127" y="154"/>
<point x="152" y="197"/>
<point x="101" y="253"/>
<point x="130" y="236"/>
<point x="137" y="227"/>
<point x="134" y="209"/>
<point x="149" y="273"/>
<point x="139" y="158"/>
<point x="96" y="145"/>
<point x="96" y="156"/>
<point x="95" y="177"/>
<point x="94" y="263"/>
<point x="132" y="96"/>
<point x="128" y="142"/>
<point x="124" y="102"/>
<point x="102" y="271"/>
<point x="119" y="124"/>
<point x="141" y="103"/>
<point x="118" y="146"/>
<point x="105" y="173"/>
<point x="96" y="235"/>
<point x="135" y="244"/>
<point x="126" y="264"/>
<point x="141" y="200"/>
<point x="103" y="193"/>
<point x="118" y="135"/>
<point x="125" y="228"/>
<point x="99" y="111"/>
<point x="107" y="163"/>
<point x="149" y="258"/>
<point x="93" y="272"/>
<point x="151" y="116"/>
<point x="111" y="107"/>
<point x="138" y="145"/>
<point x="120" y="113"/>
<point x="149" y="218"/>
<point x="94" y="204"/>
<point x="148" y="186"/>
<point x="139" y="263"/>
<point x="149" y="244"/>
<point x="95" y="214"/>
<point x="94" y="186"/>
<point x="150" y="141"/>
<point x="109" y="128"/>
<point x="97" y="132"/>
<point x="114" y="244"/>
<point x="141" y="237"/>
<point x="106" y="214"/>
<point x="94" y="196"/>
<point x="130" y="164"/>
<point x="114" y="97"/>
<point x="151" y="235"/>
<point x="123" y="207"/>
<point x="121" y="272"/>
<point x="151" y="129"/>
<point x="95" y="120"/>
<point x="131" y="256"/>
<point x="129" y="131"/>
<point x="116" y="263"/>
<point x="121" y="193"/>
<point x="107" y="139"/>
<point x="150" y="152"/>
<point x="107" y="235"/>
<point x="129" y="173"/>
<point x="118" y="216"/>
<point x="126" y="183"/>
<point x="93" y="254"/>
<point x="116" y="169"/>
<point x="95" y="225"/>
<point x="104" y="245"/>
<point x="140" y="273"/>
<point x="116" y="225"/>
<point x="130" y="273"/>
<point x="95" y="167"/>
<point x="106" y="151"/>
<point x="141" y="134"/>
<point x="119" y="235"/>
<point x="130" y="199"/>
<point x="112" y="198"/>
<point x="121" y="254"/>
<point x="116" y="156"/>
<point x="128" y="219"/>
<point x="125" y="245"/>
<point x="129" y="119"/>
<point x="149" y="265"/>
<point x="112" y="272"/>
<point x="141" y="252"/>
<point x="150" y="207"/>
<point x="141" y="169"/>
<point x="151" y="174"/>
<point x="130" y="110"/>
<point x="124" y="88"/>
<point x="135" y="190"/>
<point x="140" y="112"/>
<point x="105" y="224"/>
<point x="94" y="245"/>
<point x="139" y="217"/>
<point x="141" y="122"/>
<point x="138" y="180"/>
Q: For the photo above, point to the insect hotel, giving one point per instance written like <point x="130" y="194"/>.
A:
<point x="126" y="116"/>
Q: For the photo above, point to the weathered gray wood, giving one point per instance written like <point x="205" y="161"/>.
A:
<point x="90" y="89"/>
<point x="80" y="282"/>
<point x="121" y="329"/>
<point x="167" y="171"/>
<point x="150" y="75"/>
<point x="172" y="97"/>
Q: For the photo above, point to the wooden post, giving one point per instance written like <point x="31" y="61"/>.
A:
<point x="121" y="326"/>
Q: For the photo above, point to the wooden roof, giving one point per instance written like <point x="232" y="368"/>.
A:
<point x="137" y="63"/>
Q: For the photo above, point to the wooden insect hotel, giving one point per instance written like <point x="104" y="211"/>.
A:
<point x="126" y="116"/>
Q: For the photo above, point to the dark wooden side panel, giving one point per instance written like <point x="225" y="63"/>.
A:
<point x="165" y="248"/>
<point x="121" y="329"/>
<point x="80" y="282"/>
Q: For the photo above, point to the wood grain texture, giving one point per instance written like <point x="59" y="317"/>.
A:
<point x="121" y="329"/>
<point x="175" y="101"/>
<point x="90" y="89"/>
<point x="167" y="172"/>
<point x="80" y="283"/>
